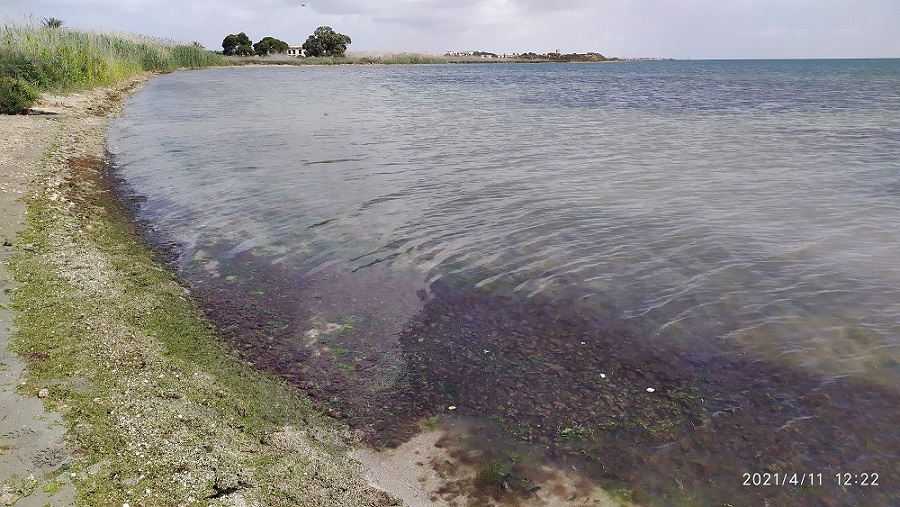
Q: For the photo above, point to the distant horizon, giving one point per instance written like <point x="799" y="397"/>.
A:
<point x="660" y="29"/>
<point x="363" y="52"/>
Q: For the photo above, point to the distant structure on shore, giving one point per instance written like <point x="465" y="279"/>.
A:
<point x="482" y="54"/>
<point x="296" y="51"/>
<point x="554" y="55"/>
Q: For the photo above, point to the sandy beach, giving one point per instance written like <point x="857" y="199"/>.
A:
<point x="32" y="441"/>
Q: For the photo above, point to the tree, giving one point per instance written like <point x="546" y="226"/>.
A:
<point x="229" y="44"/>
<point x="239" y="44"/>
<point x="52" y="22"/>
<point x="269" y="45"/>
<point x="326" y="42"/>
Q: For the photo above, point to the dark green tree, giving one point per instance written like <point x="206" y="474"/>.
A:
<point x="326" y="42"/>
<point x="239" y="44"/>
<point x="229" y="44"/>
<point x="269" y="45"/>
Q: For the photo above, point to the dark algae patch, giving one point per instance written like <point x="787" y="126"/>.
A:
<point x="670" y="423"/>
<point x="565" y="382"/>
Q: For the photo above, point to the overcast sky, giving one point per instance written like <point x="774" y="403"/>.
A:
<point x="625" y="28"/>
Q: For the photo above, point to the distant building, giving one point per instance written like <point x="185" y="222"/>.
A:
<point x="297" y="51"/>
<point x="482" y="54"/>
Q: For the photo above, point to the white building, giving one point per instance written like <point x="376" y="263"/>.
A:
<point x="297" y="51"/>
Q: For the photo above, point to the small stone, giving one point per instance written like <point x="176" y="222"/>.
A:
<point x="650" y="389"/>
<point x="602" y="375"/>
<point x="43" y="393"/>
<point x="451" y="407"/>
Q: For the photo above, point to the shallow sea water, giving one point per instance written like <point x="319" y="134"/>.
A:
<point x="717" y="239"/>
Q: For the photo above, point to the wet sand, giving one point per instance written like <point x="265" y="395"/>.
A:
<point x="32" y="441"/>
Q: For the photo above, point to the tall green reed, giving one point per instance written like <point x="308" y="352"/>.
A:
<point x="60" y="59"/>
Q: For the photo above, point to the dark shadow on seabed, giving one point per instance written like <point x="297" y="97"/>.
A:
<point x="557" y="381"/>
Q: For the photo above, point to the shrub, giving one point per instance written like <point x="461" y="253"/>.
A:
<point x="16" y="96"/>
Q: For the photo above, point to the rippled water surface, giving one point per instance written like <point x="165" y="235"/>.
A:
<point x="725" y="233"/>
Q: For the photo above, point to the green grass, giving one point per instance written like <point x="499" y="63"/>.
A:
<point x="64" y="60"/>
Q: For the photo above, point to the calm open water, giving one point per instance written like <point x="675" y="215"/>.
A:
<point x="494" y="237"/>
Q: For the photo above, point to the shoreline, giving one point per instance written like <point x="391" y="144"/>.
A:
<point x="120" y="385"/>
<point x="157" y="411"/>
<point x="159" y="407"/>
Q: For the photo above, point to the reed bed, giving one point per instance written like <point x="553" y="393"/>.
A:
<point x="62" y="60"/>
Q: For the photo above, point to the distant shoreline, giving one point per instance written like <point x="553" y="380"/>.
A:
<point x="416" y="58"/>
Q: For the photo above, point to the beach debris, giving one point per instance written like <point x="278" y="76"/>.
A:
<point x="451" y="407"/>
<point x="650" y="389"/>
<point x="602" y="375"/>
<point x="43" y="393"/>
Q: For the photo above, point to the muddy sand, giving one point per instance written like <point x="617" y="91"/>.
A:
<point x="32" y="441"/>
